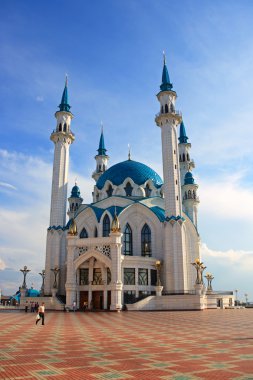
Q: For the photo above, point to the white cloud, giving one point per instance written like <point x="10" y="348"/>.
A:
<point x="7" y="186"/>
<point x="2" y="264"/>
<point x="226" y="197"/>
<point x="40" y="98"/>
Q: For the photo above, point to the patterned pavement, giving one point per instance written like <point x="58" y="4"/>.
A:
<point x="129" y="345"/>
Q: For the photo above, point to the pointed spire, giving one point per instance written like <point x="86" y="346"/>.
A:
<point x="182" y="134"/>
<point x="166" y="84"/>
<point x="129" y="152"/>
<point x="64" y="106"/>
<point x="101" y="148"/>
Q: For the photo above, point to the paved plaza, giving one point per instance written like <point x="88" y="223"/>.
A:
<point x="128" y="345"/>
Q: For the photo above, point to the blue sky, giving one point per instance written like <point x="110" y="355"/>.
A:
<point x="112" y="52"/>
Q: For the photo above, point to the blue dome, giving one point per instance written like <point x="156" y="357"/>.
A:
<point x="137" y="171"/>
<point x="33" y="293"/>
<point x="188" y="179"/>
<point x="75" y="193"/>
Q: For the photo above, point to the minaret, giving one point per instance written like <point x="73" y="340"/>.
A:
<point x="175" y="266"/>
<point x="101" y="158"/>
<point x="190" y="198"/>
<point x="185" y="162"/>
<point x="62" y="138"/>
<point x="75" y="200"/>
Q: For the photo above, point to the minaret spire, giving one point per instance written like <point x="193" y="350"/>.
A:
<point x="101" y="158"/>
<point x="64" y="105"/>
<point x="176" y="277"/>
<point x="62" y="138"/>
<point x="166" y="84"/>
<point x="184" y="148"/>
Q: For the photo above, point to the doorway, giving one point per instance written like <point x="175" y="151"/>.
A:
<point x="97" y="298"/>
<point x="83" y="300"/>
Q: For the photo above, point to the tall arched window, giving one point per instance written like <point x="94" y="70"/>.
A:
<point x="146" y="241"/>
<point x="166" y="108"/>
<point x="109" y="190"/>
<point x="128" y="189"/>
<point x="60" y="127"/>
<point x="83" y="234"/>
<point x="106" y="226"/>
<point x="65" y="127"/>
<point x="96" y="232"/>
<point x="128" y="241"/>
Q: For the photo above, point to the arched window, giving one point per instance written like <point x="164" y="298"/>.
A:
<point x="146" y="241"/>
<point x="189" y="194"/>
<point x="128" y="189"/>
<point x="162" y="109"/>
<point x="166" y="108"/>
<point x="128" y="241"/>
<point x="83" y="234"/>
<point x="194" y="194"/>
<point x="106" y="226"/>
<point x="147" y="191"/>
<point x="96" y="232"/>
<point x="183" y="157"/>
<point x="109" y="191"/>
<point x="172" y="108"/>
<point x="60" y="127"/>
<point x="65" y="127"/>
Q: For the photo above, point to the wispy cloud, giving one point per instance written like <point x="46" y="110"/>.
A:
<point x="7" y="186"/>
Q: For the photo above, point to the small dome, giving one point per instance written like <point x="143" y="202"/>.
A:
<point x="33" y="293"/>
<point x="188" y="179"/>
<point x="75" y="192"/>
<point x="137" y="171"/>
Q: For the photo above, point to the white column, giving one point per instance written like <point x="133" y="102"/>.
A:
<point x="117" y="286"/>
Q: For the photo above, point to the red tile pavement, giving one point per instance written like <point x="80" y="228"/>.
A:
<point x="214" y="344"/>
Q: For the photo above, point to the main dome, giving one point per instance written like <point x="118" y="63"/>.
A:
<point x="137" y="171"/>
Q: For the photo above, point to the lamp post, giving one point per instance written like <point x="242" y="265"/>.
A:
<point x="209" y="278"/>
<point x="24" y="271"/>
<point x="43" y="275"/>
<point x="246" y="298"/>
<point x="55" y="270"/>
<point x="236" y="301"/>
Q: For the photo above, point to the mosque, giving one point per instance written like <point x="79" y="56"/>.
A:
<point x="135" y="243"/>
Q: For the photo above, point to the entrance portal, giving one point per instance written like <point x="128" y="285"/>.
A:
<point x="97" y="298"/>
<point x="83" y="300"/>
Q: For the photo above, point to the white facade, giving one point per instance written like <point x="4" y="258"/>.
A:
<point x="137" y="235"/>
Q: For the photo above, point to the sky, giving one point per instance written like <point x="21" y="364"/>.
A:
<point x="112" y="53"/>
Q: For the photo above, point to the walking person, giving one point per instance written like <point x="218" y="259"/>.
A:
<point x="74" y="306"/>
<point x="41" y="314"/>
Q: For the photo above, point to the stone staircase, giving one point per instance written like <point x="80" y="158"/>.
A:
<point x="51" y="303"/>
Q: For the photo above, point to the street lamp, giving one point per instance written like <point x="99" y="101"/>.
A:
<point x="24" y="271"/>
<point x="43" y="274"/>
<point x="209" y="278"/>
<point x="55" y="270"/>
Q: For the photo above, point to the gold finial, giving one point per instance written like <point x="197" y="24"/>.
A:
<point x="164" y="58"/>
<point x="72" y="228"/>
<point x="75" y="181"/>
<point x="129" y="152"/>
<point x="115" y="223"/>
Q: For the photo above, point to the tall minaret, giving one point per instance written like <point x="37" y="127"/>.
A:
<point x="62" y="138"/>
<point x="185" y="162"/>
<point x="101" y="158"/>
<point x="175" y="266"/>
<point x="190" y="198"/>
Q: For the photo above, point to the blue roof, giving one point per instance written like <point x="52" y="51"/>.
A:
<point x="75" y="193"/>
<point x="64" y="106"/>
<point x="182" y="134"/>
<point x="188" y="179"/>
<point x="137" y="171"/>
<point x="166" y="84"/>
<point x="101" y="148"/>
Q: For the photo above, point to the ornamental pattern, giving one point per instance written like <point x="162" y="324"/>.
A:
<point x="105" y="250"/>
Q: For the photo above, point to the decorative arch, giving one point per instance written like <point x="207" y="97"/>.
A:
<point x="128" y="189"/>
<point x="92" y="253"/>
